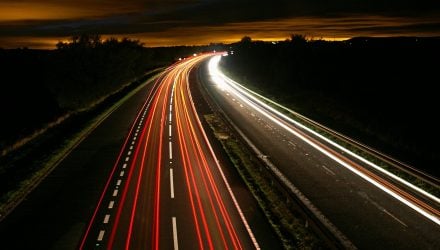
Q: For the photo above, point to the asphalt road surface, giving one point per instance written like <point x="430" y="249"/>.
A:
<point x="146" y="178"/>
<point x="359" y="200"/>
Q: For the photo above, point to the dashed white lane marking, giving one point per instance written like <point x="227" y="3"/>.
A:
<point x="101" y="235"/>
<point x="122" y="173"/>
<point x="394" y="217"/>
<point x="106" y="218"/>
<point x="131" y="147"/>
<point x="127" y="158"/>
<point x="172" y="183"/>
<point x="111" y="204"/>
<point x="365" y="196"/>
<point x="134" y="138"/>
<point x="136" y="134"/>
<point x="171" y="151"/>
<point x="133" y="142"/>
<point x="169" y="130"/>
<point x="170" y="117"/>
<point x="118" y="183"/>
<point x="176" y="243"/>
<point x="129" y="152"/>
<point x="115" y="192"/>
<point x="125" y="165"/>
<point x="328" y="170"/>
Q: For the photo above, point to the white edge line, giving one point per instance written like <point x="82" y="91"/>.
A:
<point x="238" y="86"/>
<point x="343" y="163"/>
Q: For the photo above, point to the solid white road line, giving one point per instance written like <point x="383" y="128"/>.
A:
<point x="172" y="183"/>
<point x="101" y="235"/>
<point x="176" y="244"/>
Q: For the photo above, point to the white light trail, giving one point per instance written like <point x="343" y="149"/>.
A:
<point x="244" y="94"/>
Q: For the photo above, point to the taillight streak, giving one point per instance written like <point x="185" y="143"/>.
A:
<point x="117" y="162"/>
<point x="197" y="147"/>
<point x="129" y="177"/>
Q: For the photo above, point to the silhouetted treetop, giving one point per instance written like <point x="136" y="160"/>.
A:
<point x="298" y="39"/>
<point x="246" y="40"/>
<point x="87" y="41"/>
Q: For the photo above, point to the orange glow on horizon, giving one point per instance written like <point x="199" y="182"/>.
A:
<point x="314" y="28"/>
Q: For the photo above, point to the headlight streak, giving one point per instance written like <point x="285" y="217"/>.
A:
<point x="245" y="95"/>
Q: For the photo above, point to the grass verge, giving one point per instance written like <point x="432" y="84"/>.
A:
<point x="406" y="175"/>
<point x="287" y="223"/>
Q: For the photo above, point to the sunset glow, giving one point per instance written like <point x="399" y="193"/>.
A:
<point x="41" y="24"/>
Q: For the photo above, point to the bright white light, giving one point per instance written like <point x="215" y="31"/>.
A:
<point x="245" y="95"/>
<point x="216" y="74"/>
<point x="194" y="54"/>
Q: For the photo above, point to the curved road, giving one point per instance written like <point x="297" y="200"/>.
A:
<point x="371" y="208"/>
<point x="164" y="188"/>
<point x="167" y="189"/>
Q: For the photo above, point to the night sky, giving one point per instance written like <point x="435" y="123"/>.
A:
<point x="42" y="23"/>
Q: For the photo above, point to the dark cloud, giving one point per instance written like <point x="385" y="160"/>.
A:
<point x="169" y="18"/>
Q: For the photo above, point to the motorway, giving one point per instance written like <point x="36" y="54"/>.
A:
<point x="370" y="208"/>
<point x="146" y="178"/>
<point x="167" y="189"/>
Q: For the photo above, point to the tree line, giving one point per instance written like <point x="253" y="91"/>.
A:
<point x="38" y="86"/>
